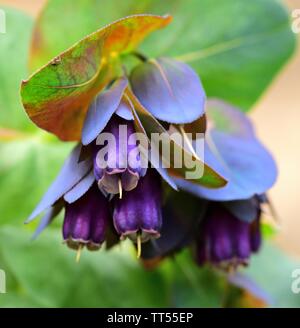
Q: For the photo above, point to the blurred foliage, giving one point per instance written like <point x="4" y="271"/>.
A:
<point x="14" y="46"/>
<point x="236" y="46"/>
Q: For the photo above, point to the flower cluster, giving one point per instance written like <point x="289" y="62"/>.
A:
<point x="217" y="213"/>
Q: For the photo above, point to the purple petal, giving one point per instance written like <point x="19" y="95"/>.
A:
<point x="80" y="188"/>
<point x="86" y="219"/>
<point x="80" y="226"/>
<point x="169" y="89"/>
<point x="71" y="173"/>
<point x="101" y="110"/>
<point x="129" y="180"/>
<point x="122" y="158"/>
<point x="241" y="237"/>
<point x="255" y="235"/>
<point x="181" y="216"/>
<point x="140" y="209"/>
<point x="218" y="232"/>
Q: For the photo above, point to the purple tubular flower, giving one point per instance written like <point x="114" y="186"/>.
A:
<point x="122" y="160"/>
<point x="86" y="220"/>
<point x="226" y="241"/>
<point x="139" y="211"/>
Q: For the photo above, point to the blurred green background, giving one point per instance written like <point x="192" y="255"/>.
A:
<point x="240" y="47"/>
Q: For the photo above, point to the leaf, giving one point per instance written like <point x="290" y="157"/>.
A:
<point x="43" y="273"/>
<point x="146" y="122"/>
<point x="233" y="45"/>
<point x="27" y="168"/>
<point x="170" y="90"/>
<point x="272" y="270"/>
<point x="57" y="96"/>
<point x="48" y="40"/>
<point x="230" y="136"/>
<point x="13" y="59"/>
<point x="101" y="110"/>
<point x="193" y="286"/>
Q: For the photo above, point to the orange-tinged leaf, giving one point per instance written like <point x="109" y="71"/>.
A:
<point x="57" y="96"/>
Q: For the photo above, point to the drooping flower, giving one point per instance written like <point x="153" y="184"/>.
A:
<point x="226" y="241"/>
<point x="233" y="150"/>
<point x="138" y="213"/>
<point x="156" y="95"/>
<point x="116" y="172"/>
<point x="86" y="220"/>
<point x="222" y="234"/>
<point x="111" y="113"/>
<point x="90" y="96"/>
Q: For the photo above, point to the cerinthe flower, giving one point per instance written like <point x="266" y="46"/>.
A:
<point x="155" y="94"/>
<point x="226" y="241"/>
<point x="118" y="173"/>
<point x="86" y="220"/>
<point x="138" y="213"/>
<point x="230" y="229"/>
<point x="85" y="188"/>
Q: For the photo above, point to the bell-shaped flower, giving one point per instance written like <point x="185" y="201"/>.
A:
<point x="86" y="220"/>
<point x="118" y="165"/>
<point x="138" y="214"/>
<point x="226" y="241"/>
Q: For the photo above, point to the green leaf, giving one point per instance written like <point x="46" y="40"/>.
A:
<point x="13" y="58"/>
<point x="57" y="96"/>
<point x="27" y="168"/>
<point x="193" y="286"/>
<point x="44" y="273"/>
<point x="237" y="47"/>
<point x="272" y="270"/>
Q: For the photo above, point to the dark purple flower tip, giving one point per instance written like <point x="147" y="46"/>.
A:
<point x="139" y="211"/>
<point x="86" y="220"/>
<point x="122" y="167"/>
<point x="226" y="241"/>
